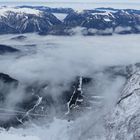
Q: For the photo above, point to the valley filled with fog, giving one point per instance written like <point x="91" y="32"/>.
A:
<point x="57" y="61"/>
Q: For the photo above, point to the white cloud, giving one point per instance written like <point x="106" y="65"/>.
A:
<point x="59" y="59"/>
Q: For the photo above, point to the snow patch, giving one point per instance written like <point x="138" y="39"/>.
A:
<point x="60" y="16"/>
<point x="5" y="10"/>
<point x="107" y="19"/>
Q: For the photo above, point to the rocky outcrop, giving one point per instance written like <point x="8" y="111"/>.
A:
<point x="25" y="20"/>
<point x="124" y="122"/>
<point x="7" y="49"/>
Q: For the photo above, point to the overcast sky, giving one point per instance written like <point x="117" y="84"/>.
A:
<point x="77" y="4"/>
<point x="85" y="1"/>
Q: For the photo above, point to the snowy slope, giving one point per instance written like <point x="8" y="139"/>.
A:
<point x="21" y="20"/>
<point x="124" y="123"/>
<point x="5" y="10"/>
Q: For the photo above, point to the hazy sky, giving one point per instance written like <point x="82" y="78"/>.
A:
<point x="78" y="4"/>
<point x="85" y="1"/>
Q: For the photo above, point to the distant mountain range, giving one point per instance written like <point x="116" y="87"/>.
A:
<point x="66" y="21"/>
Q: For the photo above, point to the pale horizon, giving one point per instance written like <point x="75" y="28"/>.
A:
<point x="77" y="1"/>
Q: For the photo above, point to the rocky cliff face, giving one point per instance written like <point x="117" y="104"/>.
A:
<point x="124" y="122"/>
<point x="25" y="20"/>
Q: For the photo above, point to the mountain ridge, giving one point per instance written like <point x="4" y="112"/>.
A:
<point x="45" y="20"/>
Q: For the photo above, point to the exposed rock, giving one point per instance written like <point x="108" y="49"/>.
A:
<point x="123" y="123"/>
<point x="20" y="38"/>
<point x="7" y="49"/>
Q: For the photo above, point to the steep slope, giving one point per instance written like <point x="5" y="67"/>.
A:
<point x="124" y="123"/>
<point x="24" y="20"/>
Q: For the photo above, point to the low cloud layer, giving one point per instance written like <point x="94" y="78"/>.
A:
<point x="59" y="60"/>
<point x="68" y="55"/>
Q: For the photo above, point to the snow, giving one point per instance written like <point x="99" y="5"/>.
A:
<point x="107" y="19"/>
<point x="37" y="104"/>
<point x="60" y="16"/>
<point x="68" y="104"/>
<point x="80" y="84"/>
<point x="5" y="10"/>
<point x="106" y="10"/>
<point x="126" y="113"/>
<point x="104" y="14"/>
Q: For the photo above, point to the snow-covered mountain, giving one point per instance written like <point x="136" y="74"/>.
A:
<point x="24" y="20"/>
<point x="69" y="87"/>
<point x="61" y="21"/>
